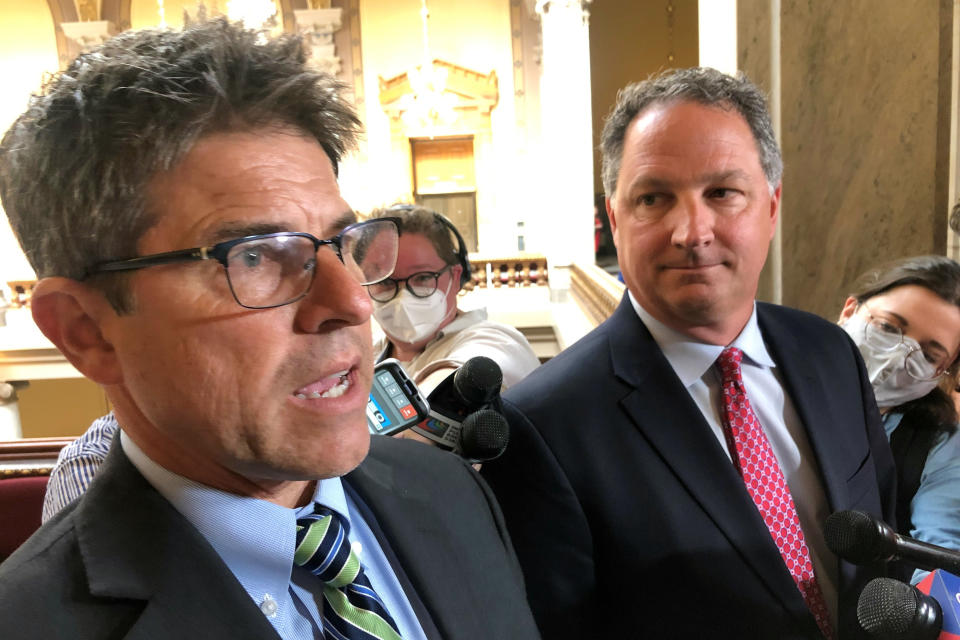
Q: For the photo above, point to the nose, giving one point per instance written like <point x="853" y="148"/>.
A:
<point x="335" y="300"/>
<point x="693" y="223"/>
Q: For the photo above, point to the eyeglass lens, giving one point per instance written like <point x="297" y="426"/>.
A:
<point x="271" y="271"/>
<point x="421" y="284"/>
<point x="920" y="364"/>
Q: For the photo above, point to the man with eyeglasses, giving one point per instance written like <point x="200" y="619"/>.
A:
<point x="417" y="306"/>
<point x="176" y="193"/>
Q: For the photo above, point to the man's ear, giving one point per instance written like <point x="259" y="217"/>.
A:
<point x="612" y="217"/>
<point x="70" y="313"/>
<point x="849" y="308"/>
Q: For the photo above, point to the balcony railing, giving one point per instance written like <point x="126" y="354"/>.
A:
<point x="596" y="291"/>
<point x="519" y="270"/>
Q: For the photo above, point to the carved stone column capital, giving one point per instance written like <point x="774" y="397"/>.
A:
<point x="317" y="26"/>
<point x="543" y="7"/>
<point x="87" y="35"/>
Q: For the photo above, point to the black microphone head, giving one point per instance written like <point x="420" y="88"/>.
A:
<point x="478" y="381"/>
<point x="484" y="435"/>
<point x="855" y="536"/>
<point x="889" y="609"/>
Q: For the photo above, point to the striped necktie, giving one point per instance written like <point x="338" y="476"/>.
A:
<point x="758" y="466"/>
<point x="351" y="608"/>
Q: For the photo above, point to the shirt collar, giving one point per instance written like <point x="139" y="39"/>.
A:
<point x="255" y="538"/>
<point x="462" y="321"/>
<point x="691" y="358"/>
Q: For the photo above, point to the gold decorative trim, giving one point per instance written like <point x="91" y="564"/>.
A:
<point x="596" y="291"/>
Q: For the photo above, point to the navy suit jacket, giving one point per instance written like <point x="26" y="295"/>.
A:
<point x="121" y="562"/>
<point x="626" y="514"/>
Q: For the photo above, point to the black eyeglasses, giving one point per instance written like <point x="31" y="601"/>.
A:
<point x="421" y="284"/>
<point x="273" y="269"/>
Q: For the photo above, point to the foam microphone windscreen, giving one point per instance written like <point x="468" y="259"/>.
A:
<point x="484" y="435"/>
<point x="854" y="536"/>
<point x="892" y="610"/>
<point x="478" y="380"/>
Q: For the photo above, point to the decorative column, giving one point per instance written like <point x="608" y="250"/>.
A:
<point x="87" y="35"/>
<point x="317" y="26"/>
<point x="566" y="133"/>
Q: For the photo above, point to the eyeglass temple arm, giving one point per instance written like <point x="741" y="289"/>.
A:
<point x="170" y="257"/>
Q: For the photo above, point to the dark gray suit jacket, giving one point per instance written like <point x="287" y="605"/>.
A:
<point x="121" y="562"/>
<point x="627" y="516"/>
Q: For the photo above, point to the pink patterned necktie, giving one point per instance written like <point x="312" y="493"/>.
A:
<point x="754" y="459"/>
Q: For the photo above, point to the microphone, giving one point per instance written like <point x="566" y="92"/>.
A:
<point x="860" y="538"/>
<point x="484" y="435"/>
<point x="475" y="385"/>
<point x="890" y="609"/>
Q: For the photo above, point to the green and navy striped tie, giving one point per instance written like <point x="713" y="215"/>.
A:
<point x="351" y="608"/>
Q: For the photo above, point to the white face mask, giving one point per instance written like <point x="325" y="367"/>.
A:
<point x="409" y="319"/>
<point x="891" y="383"/>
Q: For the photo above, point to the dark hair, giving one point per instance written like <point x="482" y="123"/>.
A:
<point x="416" y="219"/>
<point x="75" y="167"/>
<point x="705" y="86"/>
<point x="938" y="274"/>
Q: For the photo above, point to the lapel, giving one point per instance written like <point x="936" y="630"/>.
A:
<point x="665" y="414"/>
<point x="417" y="545"/>
<point x="820" y="411"/>
<point x="803" y="374"/>
<point x="135" y="546"/>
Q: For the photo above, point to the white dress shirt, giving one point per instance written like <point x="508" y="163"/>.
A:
<point x="694" y="363"/>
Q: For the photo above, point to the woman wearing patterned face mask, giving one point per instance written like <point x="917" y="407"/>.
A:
<point x="905" y="319"/>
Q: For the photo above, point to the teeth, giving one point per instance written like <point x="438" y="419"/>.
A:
<point x="333" y="392"/>
<point x="338" y="390"/>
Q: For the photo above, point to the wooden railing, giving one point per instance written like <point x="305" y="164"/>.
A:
<point x="519" y="270"/>
<point x="596" y="291"/>
<point x="30" y="456"/>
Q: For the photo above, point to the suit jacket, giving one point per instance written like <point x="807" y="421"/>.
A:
<point x="627" y="516"/>
<point x="121" y="562"/>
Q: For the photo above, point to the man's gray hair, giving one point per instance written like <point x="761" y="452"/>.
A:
<point x="702" y="85"/>
<point x="75" y="167"/>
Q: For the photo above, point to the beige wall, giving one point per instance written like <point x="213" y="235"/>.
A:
<point x="28" y="50"/>
<point x="475" y="35"/>
<point x="60" y="407"/>
<point x="865" y="136"/>
<point x="628" y="42"/>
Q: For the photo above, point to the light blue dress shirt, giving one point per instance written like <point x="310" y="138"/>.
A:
<point x="694" y="363"/>
<point x="256" y="540"/>
<point x="935" y="508"/>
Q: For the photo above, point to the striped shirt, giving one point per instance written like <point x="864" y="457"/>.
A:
<point x="78" y="464"/>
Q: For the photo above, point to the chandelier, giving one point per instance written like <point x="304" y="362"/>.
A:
<point x="429" y="105"/>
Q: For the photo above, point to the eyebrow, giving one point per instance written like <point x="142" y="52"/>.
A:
<point x="904" y="324"/>
<point x="653" y="182"/>
<point x="233" y="230"/>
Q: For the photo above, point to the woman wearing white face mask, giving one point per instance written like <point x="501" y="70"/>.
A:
<point x="417" y="307"/>
<point x="905" y="319"/>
